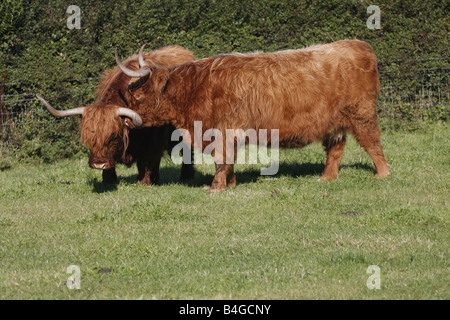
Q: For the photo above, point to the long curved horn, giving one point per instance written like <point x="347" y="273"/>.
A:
<point x="142" y="63"/>
<point x="61" y="113"/>
<point x="131" y="73"/>
<point x="134" y="116"/>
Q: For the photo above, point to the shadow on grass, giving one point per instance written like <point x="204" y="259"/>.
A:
<point x="363" y="166"/>
<point x="171" y="175"/>
<point x="100" y="187"/>
<point x="294" y="170"/>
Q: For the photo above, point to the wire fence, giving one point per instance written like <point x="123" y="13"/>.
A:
<point x="415" y="89"/>
<point x="21" y="110"/>
<point x="410" y="89"/>
<point x="15" y="107"/>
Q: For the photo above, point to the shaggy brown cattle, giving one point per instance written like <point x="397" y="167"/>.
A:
<point x="314" y="94"/>
<point x="107" y="131"/>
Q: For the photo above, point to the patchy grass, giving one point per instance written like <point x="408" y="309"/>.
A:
<point x="281" y="237"/>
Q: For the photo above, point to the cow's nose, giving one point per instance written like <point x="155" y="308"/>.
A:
<point x="99" y="166"/>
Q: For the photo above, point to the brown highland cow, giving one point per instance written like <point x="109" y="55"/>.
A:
<point x="110" y="135"/>
<point x="314" y="94"/>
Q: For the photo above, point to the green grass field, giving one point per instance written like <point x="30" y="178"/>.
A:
<point x="281" y="237"/>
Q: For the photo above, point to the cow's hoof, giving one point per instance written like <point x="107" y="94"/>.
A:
<point x="147" y="182"/>
<point x="323" y="179"/>
<point x="382" y="175"/>
<point x="215" y="190"/>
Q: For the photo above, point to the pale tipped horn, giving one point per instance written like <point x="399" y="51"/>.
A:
<point x="134" y="116"/>
<point x="131" y="73"/>
<point x="61" y="113"/>
<point x="142" y="63"/>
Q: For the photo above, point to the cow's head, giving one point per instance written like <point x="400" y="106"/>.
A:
<point x="105" y="130"/>
<point x="145" y="89"/>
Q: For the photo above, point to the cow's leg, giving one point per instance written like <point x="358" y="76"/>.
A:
<point x="224" y="177"/>
<point x="364" y="127"/>
<point x="109" y="176"/>
<point x="154" y="171"/>
<point x="148" y="171"/>
<point x="187" y="170"/>
<point x="231" y="177"/>
<point x="334" y="146"/>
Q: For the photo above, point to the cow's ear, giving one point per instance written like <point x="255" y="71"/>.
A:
<point x="160" y="78"/>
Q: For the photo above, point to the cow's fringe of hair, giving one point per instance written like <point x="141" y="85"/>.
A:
<point x="94" y="122"/>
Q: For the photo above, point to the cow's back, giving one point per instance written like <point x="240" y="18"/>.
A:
<point x="301" y="92"/>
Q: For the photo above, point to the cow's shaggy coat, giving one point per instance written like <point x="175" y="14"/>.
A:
<point x="314" y="94"/>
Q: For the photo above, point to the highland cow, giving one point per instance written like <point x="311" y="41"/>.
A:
<point x="314" y="94"/>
